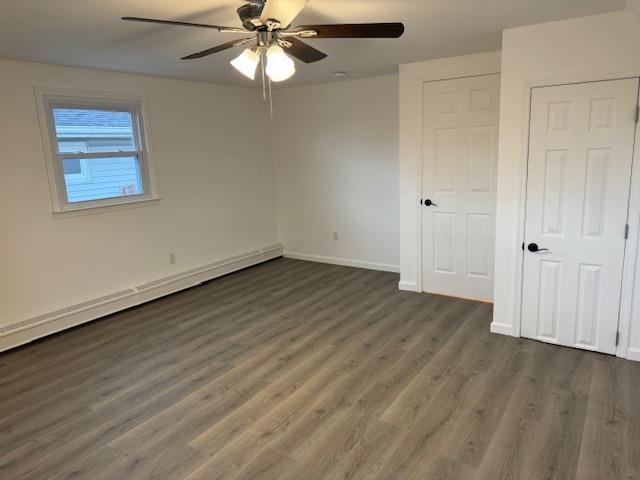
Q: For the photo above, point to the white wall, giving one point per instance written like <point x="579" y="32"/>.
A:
<point x="214" y="174"/>
<point x="335" y="148"/>
<point x="590" y="48"/>
<point x="634" y="6"/>
<point x="412" y="77"/>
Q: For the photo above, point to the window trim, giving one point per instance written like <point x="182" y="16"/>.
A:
<point x="48" y="98"/>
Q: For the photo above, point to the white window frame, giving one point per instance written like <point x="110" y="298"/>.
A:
<point x="50" y="98"/>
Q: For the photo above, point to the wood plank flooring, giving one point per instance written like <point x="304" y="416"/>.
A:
<point x="296" y="370"/>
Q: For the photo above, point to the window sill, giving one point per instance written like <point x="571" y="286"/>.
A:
<point x="108" y="207"/>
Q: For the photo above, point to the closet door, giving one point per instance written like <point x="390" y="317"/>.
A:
<point x="579" y="173"/>
<point x="459" y="170"/>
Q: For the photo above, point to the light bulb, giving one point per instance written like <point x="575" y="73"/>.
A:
<point x="246" y="63"/>
<point x="279" y="65"/>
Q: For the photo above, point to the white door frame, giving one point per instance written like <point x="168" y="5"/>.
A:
<point x="632" y="254"/>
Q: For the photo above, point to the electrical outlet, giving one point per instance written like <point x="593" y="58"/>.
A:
<point x="336" y="237"/>
<point x="172" y="258"/>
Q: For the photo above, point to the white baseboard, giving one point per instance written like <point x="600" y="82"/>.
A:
<point x="502" y="329"/>
<point x="633" y="354"/>
<point x="343" y="261"/>
<point x="26" y="331"/>
<point x="408" y="287"/>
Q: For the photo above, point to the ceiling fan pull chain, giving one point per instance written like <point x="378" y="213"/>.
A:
<point x="264" y="84"/>
<point x="270" y="99"/>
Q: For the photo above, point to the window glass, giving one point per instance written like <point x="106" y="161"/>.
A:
<point x="93" y="130"/>
<point x="108" y="177"/>
<point x="72" y="166"/>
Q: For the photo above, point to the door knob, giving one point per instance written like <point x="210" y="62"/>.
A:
<point x="429" y="203"/>
<point x="533" y="248"/>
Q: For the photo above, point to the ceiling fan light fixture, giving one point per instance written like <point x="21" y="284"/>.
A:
<point x="247" y="63"/>
<point x="279" y="66"/>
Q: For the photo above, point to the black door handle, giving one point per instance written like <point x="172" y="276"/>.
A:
<point x="533" y="248"/>
<point x="429" y="203"/>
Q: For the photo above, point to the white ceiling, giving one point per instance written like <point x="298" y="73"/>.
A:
<point x="89" y="33"/>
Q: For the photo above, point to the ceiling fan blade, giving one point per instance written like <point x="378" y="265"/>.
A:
<point x="219" y="48"/>
<point x="304" y="52"/>
<point x="355" y="30"/>
<point x="283" y="11"/>
<point x="185" y="24"/>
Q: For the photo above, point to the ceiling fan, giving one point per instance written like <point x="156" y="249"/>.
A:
<point x="269" y="23"/>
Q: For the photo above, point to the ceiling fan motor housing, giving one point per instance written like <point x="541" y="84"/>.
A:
<point x="250" y="15"/>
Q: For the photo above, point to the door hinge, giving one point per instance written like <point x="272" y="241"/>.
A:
<point x="637" y="113"/>
<point x="617" y="338"/>
<point x="626" y="232"/>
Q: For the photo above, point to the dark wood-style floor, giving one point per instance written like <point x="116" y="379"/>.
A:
<point x="295" y="370"/>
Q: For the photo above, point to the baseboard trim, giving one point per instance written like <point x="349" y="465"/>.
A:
<point x="408" y="287"/>
<point x="502" y="329"/>
<point x="26" y="331"/>
<point x="343" y="261"/>
<point x="633" y="354"/>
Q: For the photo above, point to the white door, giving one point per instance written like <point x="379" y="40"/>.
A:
<point x="579" y="173"/>
<point x="459" y="165"/>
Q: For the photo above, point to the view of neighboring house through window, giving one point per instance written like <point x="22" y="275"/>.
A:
<point x="97" y="152"/>
<point x="81" y="131"/>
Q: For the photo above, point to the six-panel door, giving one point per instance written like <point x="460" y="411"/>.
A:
<point x="459" y="169"/>
<point x="579" y="171"/>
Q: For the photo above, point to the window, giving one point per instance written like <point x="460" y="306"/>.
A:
<point x="98" y="155"/>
